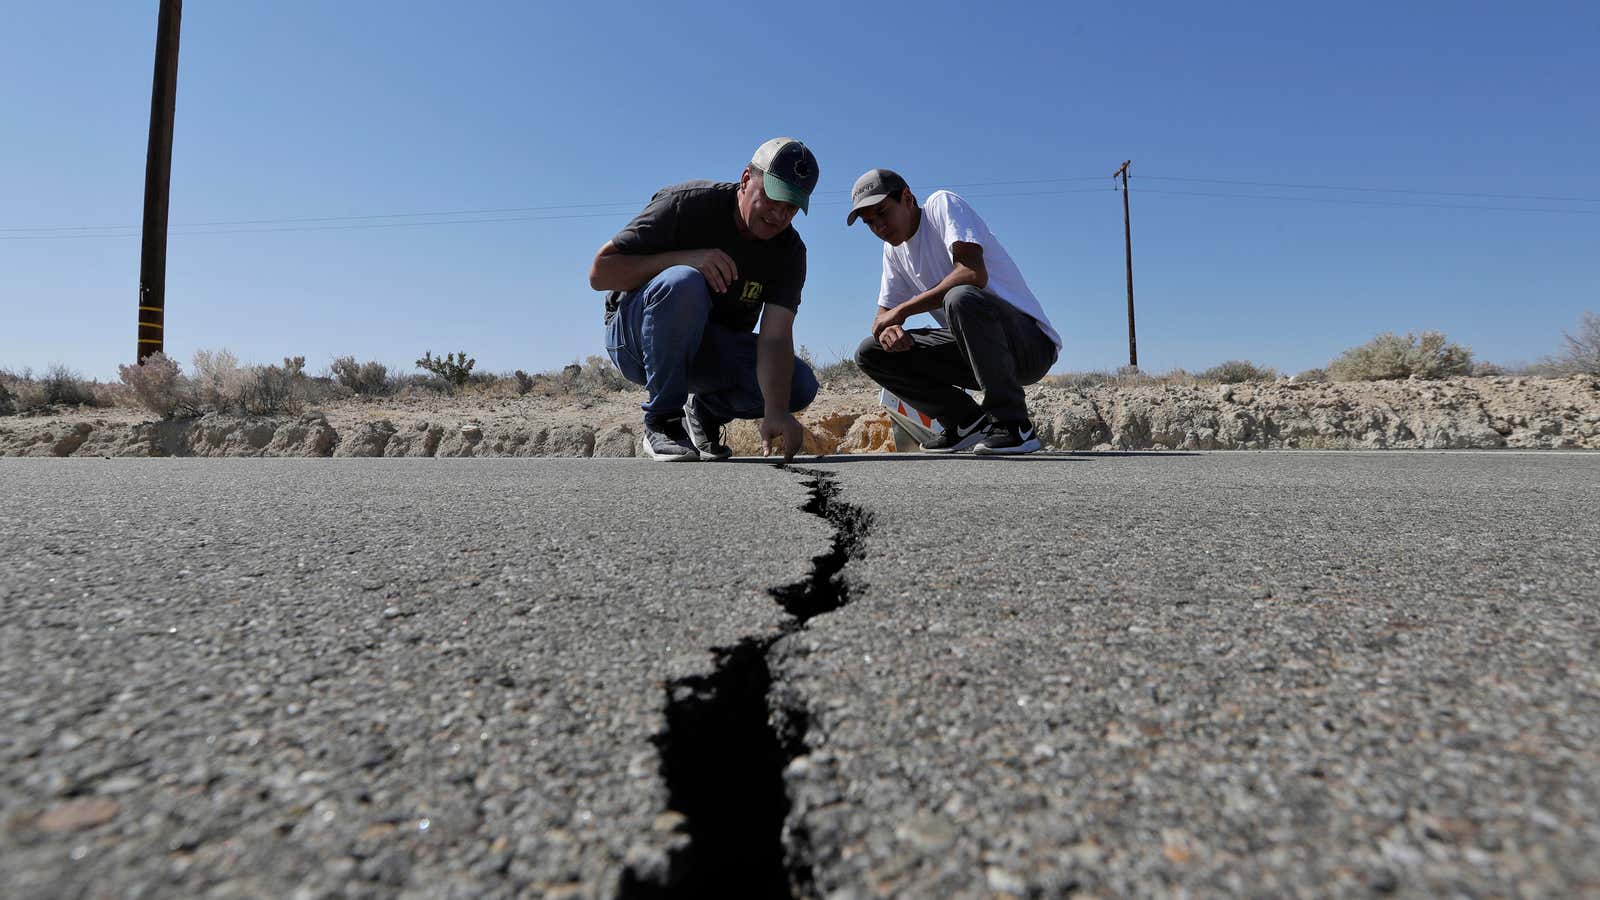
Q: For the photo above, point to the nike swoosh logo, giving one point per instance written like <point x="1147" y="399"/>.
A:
<point x="1027" y="435"/>
<point x="963" y="432"/>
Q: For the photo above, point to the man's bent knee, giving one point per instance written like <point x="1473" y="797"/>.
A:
<point x="965" y="299"/>
<point x="870" y="353"/>
<point x="681" y="285"/>
<point x="803" y="387"/>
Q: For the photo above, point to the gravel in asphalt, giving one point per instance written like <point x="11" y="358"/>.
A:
<point x="1259" y="674"/>
<point x="276" y="678"/>
<point x="1262" y="674"/>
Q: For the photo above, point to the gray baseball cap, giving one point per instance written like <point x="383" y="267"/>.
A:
<point x="788" y="171"/>
<point x="871" y="189"/>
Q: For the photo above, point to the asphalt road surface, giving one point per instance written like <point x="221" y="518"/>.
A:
<point x="1236" y="673"/>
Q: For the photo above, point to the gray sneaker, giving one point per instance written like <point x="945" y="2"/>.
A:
<point x="705" y="431"/>
<point x="668" y="442"/>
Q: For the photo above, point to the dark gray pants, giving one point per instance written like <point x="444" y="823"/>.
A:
<point x="989" y="346"/>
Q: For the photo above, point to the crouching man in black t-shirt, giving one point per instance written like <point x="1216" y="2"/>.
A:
<point x="688" y="279"/>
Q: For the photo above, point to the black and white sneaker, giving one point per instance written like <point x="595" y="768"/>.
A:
<point x="1008" y="438"/>
<point x="955" y="440"/>
<point x="668" y="442"/>
<point x="705" y="432"/>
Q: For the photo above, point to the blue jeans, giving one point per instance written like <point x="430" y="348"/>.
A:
<point x="662" y="337"/>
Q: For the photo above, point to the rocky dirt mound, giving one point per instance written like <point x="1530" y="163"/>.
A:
<point x="1459" y="413"/>
<point x="1462" y="413"/>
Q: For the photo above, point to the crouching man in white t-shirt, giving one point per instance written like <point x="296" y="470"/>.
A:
<point x="941" y="258"/>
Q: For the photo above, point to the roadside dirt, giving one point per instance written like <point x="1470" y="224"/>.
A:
<point x="1460" y="413"/>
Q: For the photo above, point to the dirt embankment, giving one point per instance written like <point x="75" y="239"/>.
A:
<point x="1458" y="413"/>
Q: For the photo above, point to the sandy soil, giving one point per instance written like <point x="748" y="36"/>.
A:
<point x="846" y="418"/>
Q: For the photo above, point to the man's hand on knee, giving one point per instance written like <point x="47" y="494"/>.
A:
<point x="886" y="318"/>
<point x="717" y="267"/>
<point x="894" y="339"/>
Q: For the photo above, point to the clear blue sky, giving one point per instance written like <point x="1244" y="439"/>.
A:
<point x="314" y="110"/>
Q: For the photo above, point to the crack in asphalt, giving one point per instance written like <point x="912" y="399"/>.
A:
<point x="825" y="589"/>
<point x="730" y="735"/>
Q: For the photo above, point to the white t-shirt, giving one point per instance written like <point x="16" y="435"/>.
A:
<point x="923" y="261"/>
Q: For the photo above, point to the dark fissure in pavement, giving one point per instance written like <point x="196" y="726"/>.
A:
<point x="723" y="766"/>
<point x="825" y="589"/>
<point x="724" y="751"/>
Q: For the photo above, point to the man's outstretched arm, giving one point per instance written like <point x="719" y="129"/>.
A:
<point x="614" y="270"/>
<point x="775" y="373"/>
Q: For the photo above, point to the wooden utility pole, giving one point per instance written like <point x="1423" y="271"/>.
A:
<point x="1127" y="243"/>
<point x="158" y="183"/>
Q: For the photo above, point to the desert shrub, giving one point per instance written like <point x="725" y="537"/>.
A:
<point x="1581" y="352"/>
<point x="1236" y="371"/>
<point x="1079" y="380"/>
<point x="30" y="394"/>
<point x="489" y="386"/>
<point x="325" y="389"/>
<point x="217" y="379"/>
<point x="268" y="390"/>
<point x="1124" y="376"/>
<point x="1544" y="368"/>
<point x="63" y="386"/>
<point x="10" y="403"/>
<point x="1313" y="375"/>
<point x="592" y="377"/>
<point x="1389" y="356"/>
<point x="524" y="382"/>
<point x="415" y="386"/>
<point x="1515" y="368"/>
<point x="158" y="385"/>
<point x="454" y="368"/>
<point x="111" y="393"/>
<point x="842" y="369"/>
<point x="603" y="377"/>
<point x="219" y="383"/>
<point x="21" y="392"/>
<point x="367" y="379"/>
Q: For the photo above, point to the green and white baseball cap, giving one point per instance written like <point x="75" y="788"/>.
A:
<point x="788" y="169"/>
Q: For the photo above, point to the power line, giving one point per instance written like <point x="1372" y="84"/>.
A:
<point x="1023" y="181"/>
<point x="179" y="230"/>
<point x="831" y="198"/>
<point x="1375" y="190"/>
<point x="472" y="212"/>
<point x="411" y="215"/>
<point x="1350" y="202"/>
<point x="350" y="227"/>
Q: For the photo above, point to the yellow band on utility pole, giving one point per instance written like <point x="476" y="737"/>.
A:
<point x="149" y="341"/>
<point x="150" y="325"/>
<point x="152" y="309"/>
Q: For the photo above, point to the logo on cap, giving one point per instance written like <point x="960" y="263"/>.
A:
<point x="872" y="188"/>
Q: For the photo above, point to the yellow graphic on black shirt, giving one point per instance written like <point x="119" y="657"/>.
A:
<point x="752" y="292"/>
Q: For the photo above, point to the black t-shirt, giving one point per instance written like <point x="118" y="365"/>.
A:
<point x="698" y="215"/>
